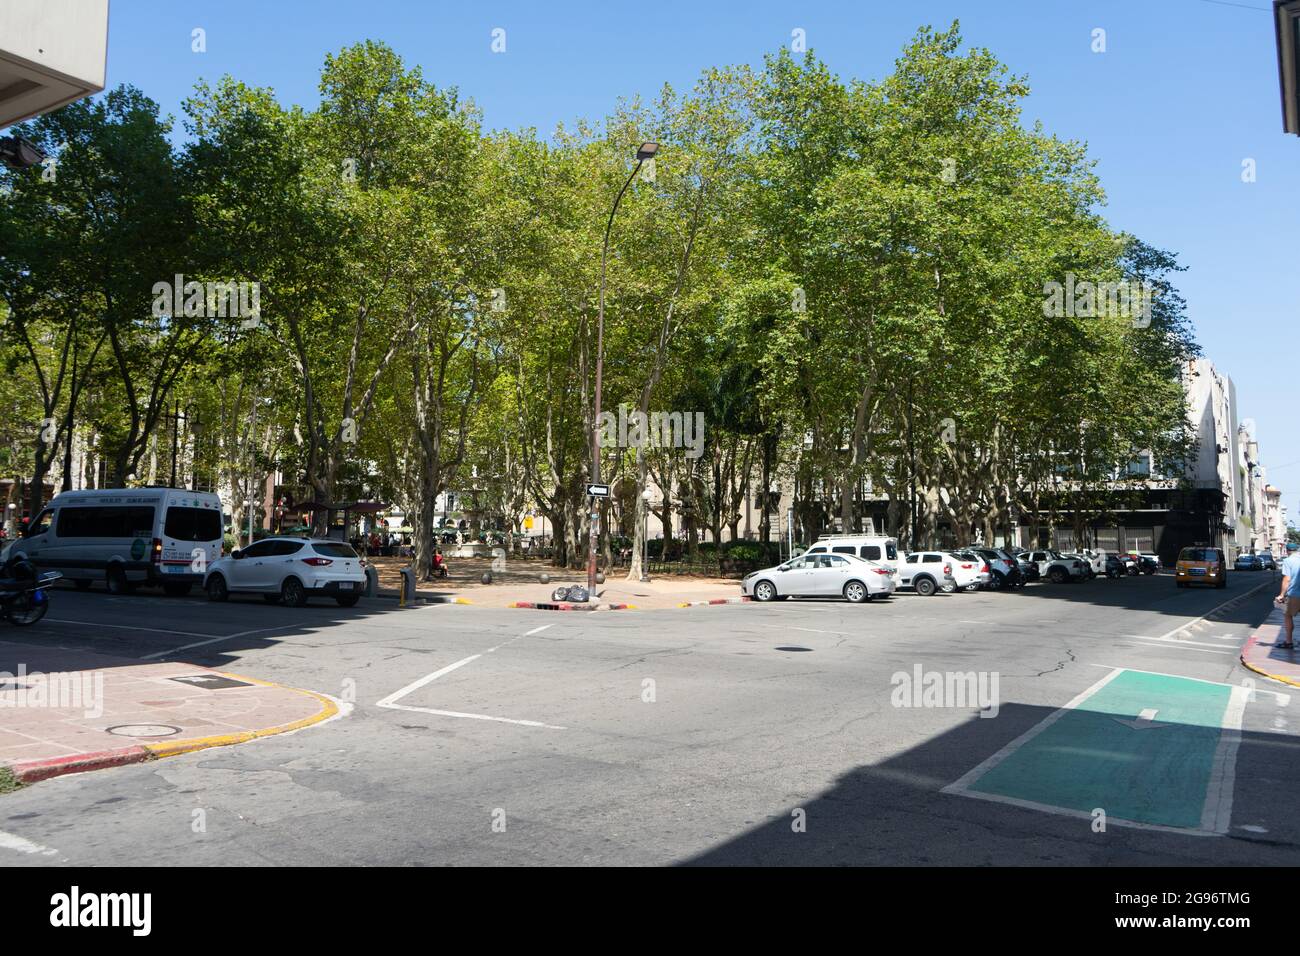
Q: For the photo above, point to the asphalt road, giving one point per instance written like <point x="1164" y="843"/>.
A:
<point x="737" y="734"/>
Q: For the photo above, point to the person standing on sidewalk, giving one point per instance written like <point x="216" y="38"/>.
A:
<point x="1289" y="595"/>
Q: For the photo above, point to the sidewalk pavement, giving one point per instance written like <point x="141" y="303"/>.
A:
<point x="1261" y="654"/>
<point x="518" y="585"/>
<point x="65" y="711"/>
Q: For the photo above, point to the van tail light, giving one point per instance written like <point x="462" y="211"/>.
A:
<point x="155" y="553"/>
<point x="317" y="562"/>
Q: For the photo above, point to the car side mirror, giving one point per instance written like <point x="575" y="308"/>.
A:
<point x="236" y="554"/>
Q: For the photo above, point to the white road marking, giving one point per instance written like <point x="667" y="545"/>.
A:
<point x="1282" y="699"/>
<point x="1183" y="644"/>
<point x="1244" y="594"/>
<point x="214" y="640"/>
<point x="390" y="702"/>
<point x="10" y="841"/>
<point x="1178" y="641"/>
<point x="1145" y="720"/>
<point x="125" y="627"/>
<point x="1217" y="812"/>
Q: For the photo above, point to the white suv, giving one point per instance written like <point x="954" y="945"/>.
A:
<point x="289" y="570"/>
<point x="926" y="572"/>
<point x="1056" y="567"/>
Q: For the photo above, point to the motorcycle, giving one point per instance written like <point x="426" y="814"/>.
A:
<point x="23" y="600"/>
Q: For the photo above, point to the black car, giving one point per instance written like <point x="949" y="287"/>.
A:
<point x="1115" y="568"/>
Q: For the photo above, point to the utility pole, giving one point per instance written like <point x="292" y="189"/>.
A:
<point x="911" y="451"/>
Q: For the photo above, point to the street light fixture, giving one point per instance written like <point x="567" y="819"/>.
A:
<point x="1287" y="13"/>
<point x="644" y="151"/>
<point x="19" y="153"/>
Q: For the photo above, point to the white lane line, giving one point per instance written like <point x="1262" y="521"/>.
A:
<point x="427" y="679"/>
<point x="1181" y="642"/>
<point x="124" y="627"/>
<point x="1282" y="699"/>
<point x="1197" y="650"/>
<point x="214" y="640"/>
<point x="1183" y="627"/>
<point x="390" y="702"/>
<point x="10" y="841"/>
<point x="1217" y="811"/>
<point x="810" y="630"/>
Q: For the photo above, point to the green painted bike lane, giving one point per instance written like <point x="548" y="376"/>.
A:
<point x="1148" y="749"/>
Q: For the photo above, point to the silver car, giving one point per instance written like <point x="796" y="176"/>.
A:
<point x="821" y="575"/>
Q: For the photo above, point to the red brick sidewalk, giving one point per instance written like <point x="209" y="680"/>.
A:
<point x="64" y="711"/>
<point x="1261" y="654"/>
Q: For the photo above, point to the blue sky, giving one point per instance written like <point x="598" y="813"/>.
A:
<point x="1185" y="92"/>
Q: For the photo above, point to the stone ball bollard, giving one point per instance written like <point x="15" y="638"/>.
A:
<point x="487" y="577"/>
<point x="544" y="578"/>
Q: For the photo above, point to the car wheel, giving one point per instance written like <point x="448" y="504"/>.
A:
<point x="1058" y="576"/>
<point x="177" y="589"/>
<point x="348" y="600"/>
<point x="997" y="582"/>
<point x="948" y="588"/>
<point x="216" y="588"/>
<point x="293" y="593"/>
<point x="764" y="591"/>
<point x="925" y="586"/>
<point x="117" y="581"/>
<point x="83" y="584"/>
<point x="855" y="592"/>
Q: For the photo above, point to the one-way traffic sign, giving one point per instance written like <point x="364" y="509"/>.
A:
<point x="598" y="491"/>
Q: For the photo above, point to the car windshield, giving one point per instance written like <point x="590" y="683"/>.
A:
<point x="1196" y="554"/>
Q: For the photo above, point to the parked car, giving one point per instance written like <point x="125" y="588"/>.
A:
<point x="1004" y="570"/>
<point x="926" y="572"/>
<point x="1201" y="565"/>
<point x="1267" y="559"/>
<point x="1130" y="561"/>
<point x="1248" y="562"/>
<point x="821" y="575"/>
<point x="1148" y="563"/>
<point x="1055" y="566"/>
<point x="125" y="537"/>
<point x="289" y="570"/>
<point x="1089" y="571"/>
<point x="970" y="570"/>
<point x="1115" y="567"/>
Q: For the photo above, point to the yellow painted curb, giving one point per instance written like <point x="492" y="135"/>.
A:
<point x="172" y="748"/>
<point x="1260" y="670"/>
<point x="461" y="601"/>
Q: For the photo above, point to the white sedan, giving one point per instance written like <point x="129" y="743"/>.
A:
<point x="289" y="570"/>
<point x="821" y="575"/>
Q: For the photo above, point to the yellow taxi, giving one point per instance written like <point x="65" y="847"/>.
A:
<point x="1202" y="565"/>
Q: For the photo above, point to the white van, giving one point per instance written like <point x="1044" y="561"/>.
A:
<point x="126" y="537"/>
<point x="872" y="547"/>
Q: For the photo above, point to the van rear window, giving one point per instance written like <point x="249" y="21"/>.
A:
<point x="193" y="524"/>
<point x="871" y="552"/>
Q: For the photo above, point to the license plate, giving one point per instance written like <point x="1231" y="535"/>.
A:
<point x="176" y="568"/>
<point x="345" y="585"/>
<point x="1198" y="570"/>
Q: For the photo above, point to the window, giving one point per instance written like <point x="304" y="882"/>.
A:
<point x="262" y="549"/>
<point x="843" y="549"/>
<point x="334" y="550"/>
<point x="871" y="552"/>
<point x="111" y="521"/>
<point x="911" y="558"/>
<point x="43" y="523"/>
<point x="1139" y="467"/>
<point x="891" y="552"/>
<point x="932" y="558"/>
<point x="192" y="524"/>
<point x="289" y="547"/>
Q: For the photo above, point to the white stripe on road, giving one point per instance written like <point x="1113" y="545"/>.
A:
<point x="1197" y="650"/>
<point x="390" y="702"/>
<point x="9" y="841"/>
<point x="124" y="627"/>
<point x="214" y="640"/>
<point x="1183" y="627"/>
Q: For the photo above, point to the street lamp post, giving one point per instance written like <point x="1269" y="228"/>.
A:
<point x="644" y="152"/>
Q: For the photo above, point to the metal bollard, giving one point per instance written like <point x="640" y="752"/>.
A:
<point x="407" y="592"/>
<point x="372" y="581"/>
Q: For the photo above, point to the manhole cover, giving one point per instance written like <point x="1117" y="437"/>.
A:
<point x="211" y="681"/>
<point x="144" y="730"/>
<point x="793" y="647"/>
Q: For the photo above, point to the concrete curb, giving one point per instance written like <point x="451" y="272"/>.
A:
<point x="1250" y="642"/>
<point x="566" y="606"/>
<point x="32" y="771"/>
<point x="740" y="600"/>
